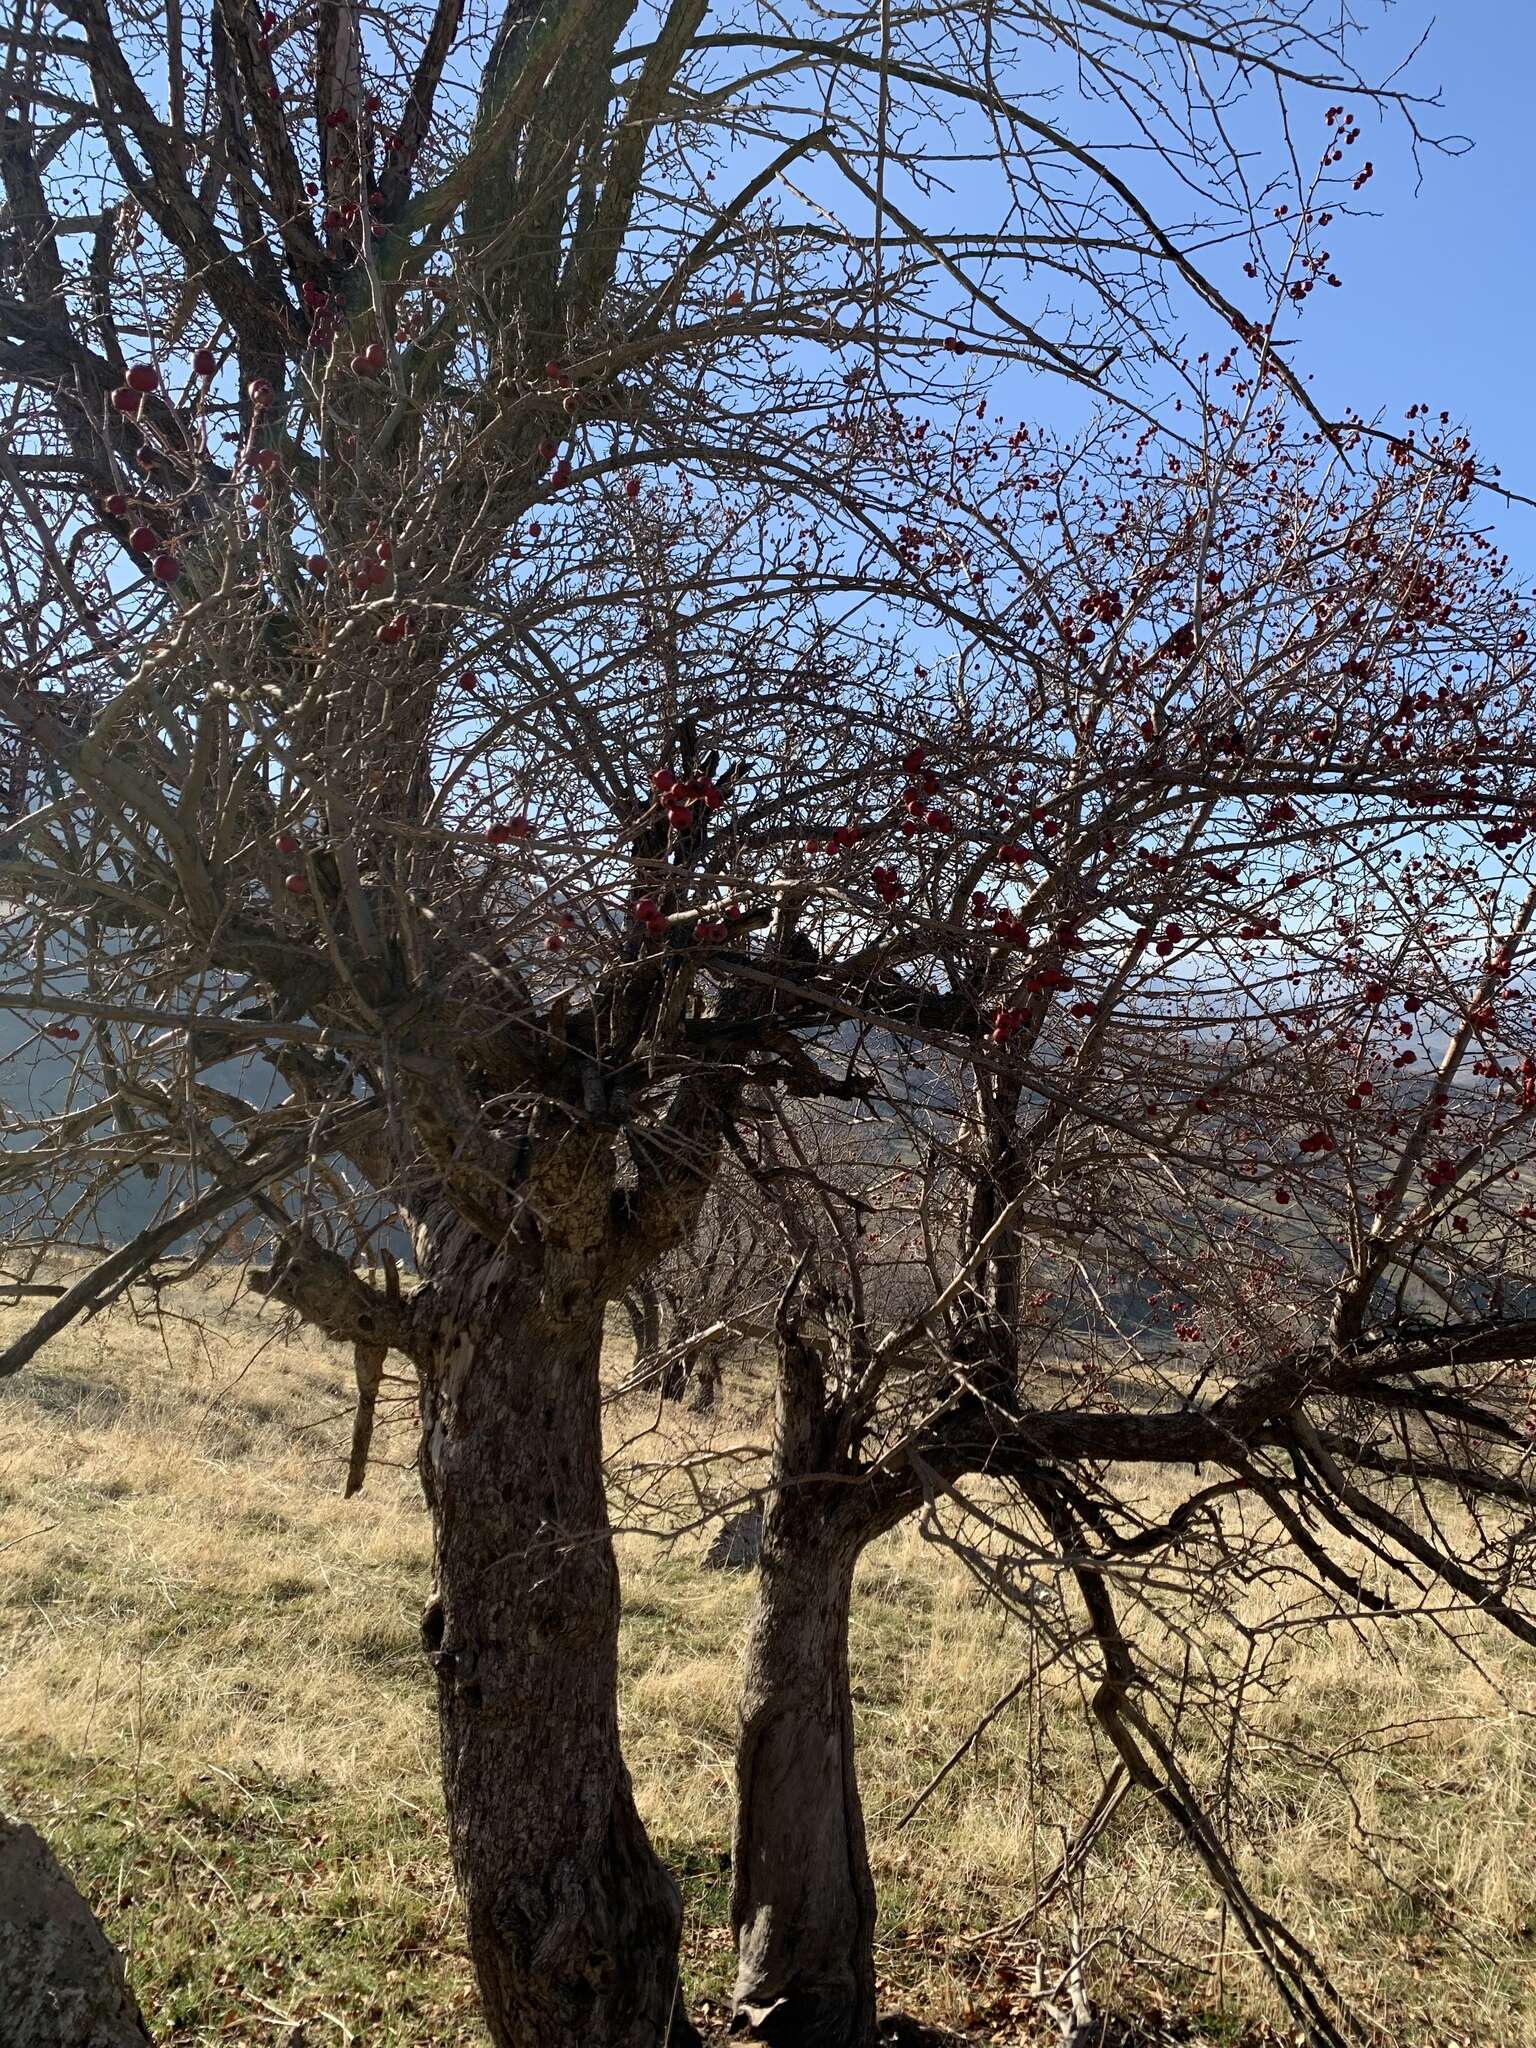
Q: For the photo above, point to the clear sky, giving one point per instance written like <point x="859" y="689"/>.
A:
<point x="1440" y="290"/>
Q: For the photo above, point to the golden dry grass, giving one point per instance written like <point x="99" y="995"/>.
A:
<point x="211" y="1701"/>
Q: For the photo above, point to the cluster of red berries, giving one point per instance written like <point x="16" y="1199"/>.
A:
<point x="682" y="799"/>
<point x="136" y="386"/>
<point x="1005" y="1023"/>
<point x="145" y="541"/>
<point x="68" y="1031"/>
<point x="921" y="813"/>
<point x="505" y="830"/>
<point x="842" y="839"/>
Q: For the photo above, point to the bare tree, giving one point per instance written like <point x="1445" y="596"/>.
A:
<point x="1228" y="1169"/>
<point x="435" y="848"/>
<point x="710" y="1298"/>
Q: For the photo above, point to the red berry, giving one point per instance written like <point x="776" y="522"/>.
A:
<point x="204" y="363"/>
<point x="143" y="540"/>
<point x="166" y="568"/>
<point x="144" y="377"/>
<point x="662" y="779"/>
<point x="374" y="357"/>
<point x="631" y="487"/>
<point x="553" y="942"/>
<point x="265" y="459"/>
<point x="285" y="842"/>
<point x="297" y="885"/>
<point x="646" y="909"/>
<point x="116" y="506"/>
<point x="260" y="393"/>
<point x="679" y="816"/>
<point x="508" y="828"/>
<point x="373" y="103"/>
<point x="125" y="399"/>
<point x="317" y="565"/>
<point x="939" y="821"/>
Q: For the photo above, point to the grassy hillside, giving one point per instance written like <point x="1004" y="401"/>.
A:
<point x="212" y="1702"/>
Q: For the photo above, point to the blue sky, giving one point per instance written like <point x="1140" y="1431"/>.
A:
<point x="1440" y="290"/>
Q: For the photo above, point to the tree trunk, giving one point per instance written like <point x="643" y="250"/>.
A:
<point x="644" y="1311"/>
<point x="802" y="1898"/>
<point x="574" y="1924"/>
<point x="708" y="1372"/>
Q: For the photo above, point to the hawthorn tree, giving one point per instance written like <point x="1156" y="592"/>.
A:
<point x="470" y="521"/>
<point x="1190" y="1126"/>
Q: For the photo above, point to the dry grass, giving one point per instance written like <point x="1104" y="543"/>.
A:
<point x="210" y="1699"/>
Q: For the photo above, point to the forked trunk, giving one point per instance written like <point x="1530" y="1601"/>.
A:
<point x="802" y="1899"/>
<point x="573" y="1922"/>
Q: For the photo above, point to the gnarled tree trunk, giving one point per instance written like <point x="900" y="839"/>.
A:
<point x="573" y="1922"/>
<point x="802" y="1898"/>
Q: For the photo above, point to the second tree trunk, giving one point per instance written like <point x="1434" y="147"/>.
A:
<point x="802" y="1901"/>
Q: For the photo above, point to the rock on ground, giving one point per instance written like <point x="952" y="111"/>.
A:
<point x="61" y="1980"/>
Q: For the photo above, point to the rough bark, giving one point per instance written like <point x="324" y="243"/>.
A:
<point x="573" y="1922"/>
<point x="61" y="1980"/>
<point x="802" y="1900"/>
